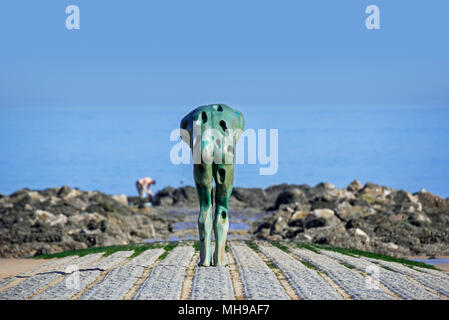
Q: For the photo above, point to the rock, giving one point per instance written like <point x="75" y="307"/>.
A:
<point x="346" y="211"/>
<point x="35" y="196"/>
<point x="391" y="246"/>
<point x="355" y="186"/>
<point x="6" y="205"/>
<point x="419" y="219"/>
<point x="44" y="216"/>
<point x="365" y="218"/>
<point x="326" y="196"/>
<point x="273" y="192"/>
<point x="253" y="197"/>
<point x="181" y="196"/>
<point x="404" y="196"/>
<point x="325" y="185"/>
<point x="289" y="209"/>
<point x="121" y="198"/>
<point x="373" y="193"/>
<point x="314" y="222"/>
<point x="431" y="201"/>
<point x="278" y="226"/>
<point x="275" y="237"/>
<point x="42" y="222"/>
<point x="323" y="213"/>
<point x="76" y="203"/>
<point x="186" y="194"/>
<point x="66" y="192"/>
<point x="57" y="219"/>
<point x="263" y="234"/>
<point x="299" y="215"/>
<point x="303" y="237"/>
<point x="320" y="218"/>
<point x="360" y="233"/>
<point x="291" y="196"/>
<point x="397" y="217"/>
<point x="60" y="219"/>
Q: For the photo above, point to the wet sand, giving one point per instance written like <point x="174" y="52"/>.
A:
<point x="12" y="267"/>
<point x="442" y="266"/>
<point x="427" y="257"/>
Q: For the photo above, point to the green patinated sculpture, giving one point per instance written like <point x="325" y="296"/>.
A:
<point x="212" y="132"/>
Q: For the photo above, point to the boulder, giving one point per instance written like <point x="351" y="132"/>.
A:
<point x="303" y="237"/>
<point x="404" y="196"/>
<point x="121" y="198"/>
<point x="355" y="186"/>
<point x="320" y="218"/>
<point x="346" y="211"/>
<point x="76" y="203"/>
<point x="419" y="219"/>
<point x="326" y="196"/>
<point x="33" y="222"/>
<point x="253" y="197"/>
<point x="373" y="193"/>
<point x="366" y="219"/>
<point x="43" y="216"/>
<point x="312" y="221"/>
<point x="278" y="225"/>
<point x="60" y="219"/>
<point x="326" y="214"/>
<point x="66" y="192"/>
<point x="431" y="201"/>
<point x="297" y="218"/>
<point x="291" y="196"/>
<point x="391" y="246"/>
<point x="360" y="233"/>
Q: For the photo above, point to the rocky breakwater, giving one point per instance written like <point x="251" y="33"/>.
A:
<point x="60" y="219"/>
<point x="370" y="217"/>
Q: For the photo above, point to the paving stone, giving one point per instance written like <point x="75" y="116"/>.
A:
<point x="78" y="281"/>
<point x="441" y="274"/>
<point x="5" y="281"/>
<point x="307" y="283"/>
<point x="28" y="286"/>
<point x="58" y="279"/>
<point x="428" y="280"/>
<point x="349" y="280"/>
<point x="212" y="283"/>
<point x="259" y="282"/>
<point x="32" y="283"/>
<point x="394" y="281"/>
<point x="53" y="265"/>
<point x="166" y="279"/>
<point x="118" y="281"/>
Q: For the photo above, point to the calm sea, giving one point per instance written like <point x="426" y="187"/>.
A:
<point x="108" y="148"/>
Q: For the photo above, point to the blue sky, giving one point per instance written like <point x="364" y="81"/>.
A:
<point x="141" y="52"/>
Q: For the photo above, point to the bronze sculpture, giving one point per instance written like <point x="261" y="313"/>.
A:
<point x="212" y="132"/>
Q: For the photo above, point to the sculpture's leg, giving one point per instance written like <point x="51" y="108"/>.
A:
<point x="224" y="179"/>
<point x="202" y="174"/>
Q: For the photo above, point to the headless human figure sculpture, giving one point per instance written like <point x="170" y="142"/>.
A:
<point x="212" y="131"/>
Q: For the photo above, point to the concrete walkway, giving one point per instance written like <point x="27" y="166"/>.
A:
<point x="261" y="271"/>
